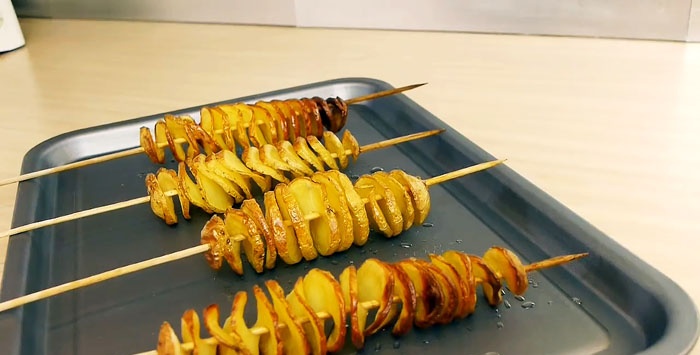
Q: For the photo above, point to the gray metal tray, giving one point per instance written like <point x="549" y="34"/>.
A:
<point x="608" y="303"/>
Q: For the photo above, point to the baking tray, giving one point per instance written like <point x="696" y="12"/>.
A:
<point x="609" y="303"/>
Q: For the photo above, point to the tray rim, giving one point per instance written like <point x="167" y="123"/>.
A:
<point x="676" y="300"/>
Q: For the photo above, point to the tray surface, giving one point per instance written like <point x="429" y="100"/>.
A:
<point x="608" y="303"/>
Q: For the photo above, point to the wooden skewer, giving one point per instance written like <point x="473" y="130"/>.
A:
<point x="370" y="305"/>
<point x="146" y="199"/>
<point x="138" y="150"/>
<point x="90" y="280"/>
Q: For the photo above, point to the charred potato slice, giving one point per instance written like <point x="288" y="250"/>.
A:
<point x="323" y="294"/>
<point x="461" y="290"/>
<point x="313" y="201"/>
<point x="293" y="336"/>
<point x="284" y="236"/>
<point x="443" y="292"/>
<point x="313" y="328"/>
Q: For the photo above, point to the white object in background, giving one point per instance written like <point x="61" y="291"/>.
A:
<point x="11" y="36"/>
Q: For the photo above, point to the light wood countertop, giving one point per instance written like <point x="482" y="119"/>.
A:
<point x="610" y="128"/>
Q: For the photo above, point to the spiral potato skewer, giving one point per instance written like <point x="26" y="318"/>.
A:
<point x="407" y="293"/>
<point x="223" y="179"/>
<point x="321" y="214"/>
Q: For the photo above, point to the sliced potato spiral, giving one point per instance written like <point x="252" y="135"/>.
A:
<point x="229" y="126"/>
<point x="407" y="293"/>
<point x="220" y="180"/>
<point x="321" y="214"/>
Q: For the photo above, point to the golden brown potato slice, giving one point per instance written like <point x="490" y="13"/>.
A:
<point x="312" y="199"/>
<point x="228" y="246"/>
<point x="224" y="137"/>
<point x="507" y="266"/>
<point x="240" y="226"/>
<point x="149" y="146"/>
<point x="334" y="145"/>
<point x="404" y="290"/>
<point x="249" y="124"/>
<point x="289" y="206"/>
<point x="339" y="205"/>
<point x="315" y="116"/>
<point x="389" y="205"/>
<point x="161" y="138"/>
<point x="211" y="122"/>
<point x="216" y="197"/>
<point x="176" y="130"/>
<point x="161" y="205"/>
<point x="268" y="127"/>
<point x="168" y="182"/>
<point x="350" y="143"/>
<point x="269" y="155"/>
<point x="418" y="279"/>
<point x="236" y="333"/>
<point x="231" y="161"/>
<point x="284" y="236"/>
<point x="270" y="343"/>
<point x="323" y="294"/>
<point x="293" y="336"/>
<point x="168" y="343"/>
<point x="439" y="290"/>
<point x="313" y="328"/>
<point x="190" y="328"/>
<point x="358" y="314"/>
<point x="460" y="289"/>
<point x="300" y="122"/>
<point x="460" y="262"/>
<point x="289" y="155"/>
<point x="251" y="157"/>
<point x="232" y="340"/>
<point x="356" y="206"/>
<point x="214" y="230"/>
<point x="322" y="152"/>
<point x="276" y="119"/>
<point x="367" y="188"/>
<point x="490" y="283"/>
<point x="237" y="181"/>
<point x="191" y="190"/>
<point x="198" y="165"/>
<point x="301" y="146"/>
<point x="375" y="283"/>
<point x="289" y="120"/>
<point x="419" y="194"/>
<point x="237" y="122"/>
<point x="403" y="199"/>
<point x="198" y="137"/>
<point x="252" y="210"/>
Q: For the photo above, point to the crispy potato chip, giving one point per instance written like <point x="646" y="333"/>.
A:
<point x="168" y="343"/>
<point x="253" y="211"/>
<point x="168" y="182"/>
<point x="157" y="155"/>
<point x="161" y="205"/>
<point x="418" y="279"/>
<point x="404" y="290"/>
<point x="214" y="231"/>
<point x="490" y="283"/>
<point x="460" y="262"/>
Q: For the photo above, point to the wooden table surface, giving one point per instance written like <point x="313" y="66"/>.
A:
<point x="610" y="128"/>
